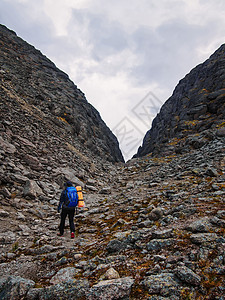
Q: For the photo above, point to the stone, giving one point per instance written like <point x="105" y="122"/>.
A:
<point x="159" y="244"/>
<point x="212" y="172"/>
<point x="25" y="141"/>
<point x="14" y="287"/>
<point x="115" y="246"/>
<point x="45" y="249"/>
<point x="221" y="132"/>
<point x="62" y="261"/>
<point x="5" y="192"/>
<point x="3" y="213"/>
<point x="24" y="228"/>
<point x="201" y="225"/>
<point x="105" y="191"/>
<point x="8" y="237"/>
<point x="188" y="276"/>
<point x="158" y="258"/>
<point x="218" y="222"/>
<point x="221" y="214"/>
<point x="11" y="255"/>
<point x="77" y="256"/>
<point x="164" y="284"/>
<point x="19" y="178"/>
<point x="111" y="274"/>
<point x="91" y="182"/>
<point x="119" y="223"/>
<point x="121" y="235"/>
<point x="134" y="237"/>
<point x="33" y="162"/>
<point x="20" y="216"/>
<point x="66" y="174"/>
<point x="70" y="289"/>
<point x="156" y="214"/>
<point x="91" y="188"/>
<point x="204" y="238"/>
<point x="6" y="146"/>
<point x="111" y="289"/>
<point x="64" y="275"/>
<point x="32" y="190"/>
<point x="162" y="234"/>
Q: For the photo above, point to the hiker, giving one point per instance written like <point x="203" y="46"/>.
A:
<point x="68" y="201"/>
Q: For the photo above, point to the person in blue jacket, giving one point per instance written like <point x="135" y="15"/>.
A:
<point x="66" y="211"/>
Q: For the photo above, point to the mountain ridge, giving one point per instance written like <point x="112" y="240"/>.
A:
<point x="195" y="107"/>
<point x="44" y="87"/>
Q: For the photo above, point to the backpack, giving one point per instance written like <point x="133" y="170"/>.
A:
<point x="80" y="196"/>
<point x="72" y="197"/>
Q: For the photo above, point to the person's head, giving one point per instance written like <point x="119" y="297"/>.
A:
<point x="68" y="184"/>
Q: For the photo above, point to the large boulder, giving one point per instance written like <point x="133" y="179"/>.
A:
<point x="32" y="189"/>
<point x="64" y="275"/>
<point x="164" y="284"/>
<point x="111" y="289"/>
<point x="14" y="287"/>
<point x="188" y="276"/>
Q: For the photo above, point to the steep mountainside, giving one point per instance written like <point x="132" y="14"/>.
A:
<point x="35" y="93"/>
<point x="194" y="114"/>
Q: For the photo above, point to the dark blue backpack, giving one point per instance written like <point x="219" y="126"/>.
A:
<point x="72" y="197"/>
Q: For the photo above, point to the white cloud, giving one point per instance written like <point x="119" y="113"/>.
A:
<point x="60" y="12"/>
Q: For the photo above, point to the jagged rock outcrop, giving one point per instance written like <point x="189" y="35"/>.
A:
<point x="194" y="114"/>
<point x="36" y="94"/>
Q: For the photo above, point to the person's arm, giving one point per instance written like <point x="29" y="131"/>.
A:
<point x="62" y="199"/>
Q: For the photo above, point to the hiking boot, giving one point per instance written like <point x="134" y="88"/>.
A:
<point x="72" y="235"/>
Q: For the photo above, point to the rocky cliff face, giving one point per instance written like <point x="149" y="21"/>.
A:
<point x="194" y="114"/>
<point x="153" y="228"/>
<point x="39" y="102"/>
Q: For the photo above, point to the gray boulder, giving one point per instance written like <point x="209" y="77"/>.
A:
<point x="14" y="287"/>
<point x="71" y="289"/>
<point x="164" y="284"/>
<point x="7" y="147"/>
<point x="206" y="238"/>
<point x="64" y="275"/>
<point x="162" y="234"/>
<point x="115" y="246"/>
<point x="159" y="244"/>
<point x="156" y="214"/>
<point x="201" y="225"/>
<point x="188" y="276"/>
<point x="32" y="189"/>
<point x="111" y="289"/>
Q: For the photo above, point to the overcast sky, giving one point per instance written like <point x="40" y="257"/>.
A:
<point x="127" y="56"/>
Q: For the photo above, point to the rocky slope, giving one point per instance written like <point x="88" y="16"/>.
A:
<point x="156" y="232"/>
<point x="153" y="228"/>
<point x="34" y="91"/>
<point x="194" y="114"/>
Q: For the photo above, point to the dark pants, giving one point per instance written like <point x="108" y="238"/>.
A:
<point x="70" y="214"/>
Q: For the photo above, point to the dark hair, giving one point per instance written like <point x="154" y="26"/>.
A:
<point x="68" y="183"/>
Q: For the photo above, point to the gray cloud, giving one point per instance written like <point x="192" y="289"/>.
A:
<point x="106" y="37"/>
<point x="166" y="54"/>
